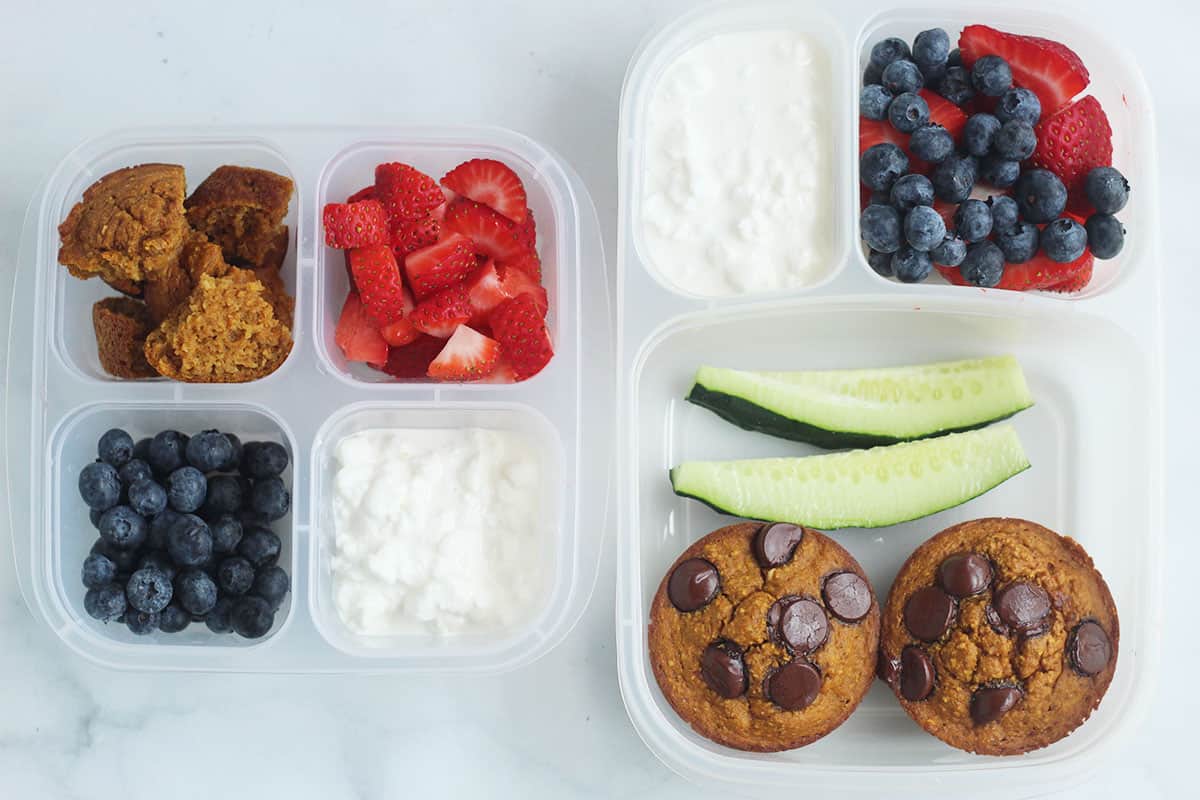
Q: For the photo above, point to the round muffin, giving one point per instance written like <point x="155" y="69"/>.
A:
<point x="764" y="636"/>
<point x="999" y="636"/>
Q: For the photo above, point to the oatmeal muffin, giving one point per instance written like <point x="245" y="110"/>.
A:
<point x="121" y="325"/>
<point x="241" y="209"/>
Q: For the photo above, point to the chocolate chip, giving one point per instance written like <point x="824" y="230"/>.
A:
<point x="993" y="620"/>
<point x="847" y="595"/>
<point x="1088" y="648"/>
<point x="723" y="667"/>
<point x="928" y="613"/>
<point x="917" y="674"/>
<point x="774" y="544"/>
<point x="887" y="669"/>
<point x="965" y="574"/>
<point x="1022" y="605"/>
<point x="793" y="686"/>
<point x="693" y="584"/>
<point x="990" y="703"/>
<point x="802" y="626"/>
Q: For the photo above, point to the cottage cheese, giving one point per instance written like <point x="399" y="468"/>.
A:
<point x="438" y="531"/>
<point x="737" y="172"/>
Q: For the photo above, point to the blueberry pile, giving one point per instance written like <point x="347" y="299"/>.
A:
<point x="185" y="532"/>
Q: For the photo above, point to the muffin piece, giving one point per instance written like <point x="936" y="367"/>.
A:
<point x="242" y="210"/>
<point x="763" y="637"/>
<point x="276" y="293"/>
<point x="166" y="292"/>
<point x="226" y="332"/>
<point x="999" y="636"/>
<point x="126" y="287"/>
<point x="121" y="326"/>
<point x="129" y="225"/>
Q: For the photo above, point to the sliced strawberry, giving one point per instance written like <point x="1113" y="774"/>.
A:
<point x="467" y="356"/>
<point x="494" y="235"/>
<point x="406" y="193"/>
<point x="485" y="292"/>
<point x="440" y="314"/>
<point x="365" y="193"/>
<point x="440" y="265"/>
<point x="401" y="332"/>
<point x="944" y="113"/>
<point x="354" y="224"/>
<point x="413" y="235"/>
<point x="503" y="371"/>
<point x="521" y="331"/>
<point x="526" y="232"/>
<point x="1039" y="273"/>
<point x="377" y="278"/>
<point x="1071" y="143"/>
<point x="529" y="263"/>
<point x="515" y="282"/>
<point x="490" y="182"/>
<point x="357" y="335"/>
<point x="413" y="360"/>
<point x="1077" y="282"/>
<point x="1049" y="69"/>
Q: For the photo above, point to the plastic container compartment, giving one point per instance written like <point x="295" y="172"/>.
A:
<point x="59" y="400"/>
<point x="1094" y="366"/>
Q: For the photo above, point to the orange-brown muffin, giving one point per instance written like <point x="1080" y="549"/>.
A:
<point x="242" y="210"/>
<point x="999" y="636"/>
<point x="276" y="294"/>
<point x="126" y="286"/>
<point x="763" y="637"/>
<point x="121" y="325"/>
<point x="167" y="291"/>
<point x="128" y="226"/>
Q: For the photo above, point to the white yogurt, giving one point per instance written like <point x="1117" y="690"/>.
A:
<point x="737" y="172"/>
<point x="437" y="531"/>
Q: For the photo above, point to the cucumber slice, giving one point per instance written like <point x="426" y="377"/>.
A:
<point x="838" y="409"/>
<point x="860" y="488"/>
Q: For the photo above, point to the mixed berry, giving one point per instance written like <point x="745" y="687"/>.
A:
<point x="185" y="532"/>
<point x="980" y="162"/>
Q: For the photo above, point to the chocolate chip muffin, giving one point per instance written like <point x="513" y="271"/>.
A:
<point x="999" y="636"/>
<point x="763" y="636"/>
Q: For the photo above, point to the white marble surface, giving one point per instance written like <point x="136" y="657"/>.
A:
<point x="69" y="70"/>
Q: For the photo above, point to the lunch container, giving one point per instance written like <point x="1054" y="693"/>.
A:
<point x="1094" y="437"/>
<point x="59" y="401"/>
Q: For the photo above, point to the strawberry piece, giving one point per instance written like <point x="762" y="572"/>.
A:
<point x="413" y="360"/>
<point x="515" y="282"/>
<point x="1071" y="143"/>
<point x="529" y="263"/>
<point x="493" y="234"/>
<point x="484" y="292"/>
<point x="377" y="279"/>
<point x="1076" y="283"/>
<point x="357" y="335"/>
<point x="526" y="232"/>
<point x="944" y="113"/>
<point x="947" y="212"/>
<point x="401" y="332"/>
<point x="490" y="182"/>
<point x="354" y="224"/>
<point x="1038" y="273"/>
<point x="521" y="331"/>
<point x="467" y="356"/>
<point x="1049" y="69"/>
<point x="365" y="193"/>
<point x="440" y="265"/>
<point x="413" y="235"/>
<point x="440" y="314"/>
<point x="406" y="193"/>
<point x="502" y="373"/>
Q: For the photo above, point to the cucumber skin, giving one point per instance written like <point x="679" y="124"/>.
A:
<point x="750" y="417"/>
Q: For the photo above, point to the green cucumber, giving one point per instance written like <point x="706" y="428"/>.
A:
<point x="837" y="409"/>
<point x="859" y="488"/>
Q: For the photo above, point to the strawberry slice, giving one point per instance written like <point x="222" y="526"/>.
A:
<point x="378" y="281"/>
<point x="521" y="331"/>
<point x="413" y="360"/>
<point x="413" y="235"/>
<point x="526" y="232"/>
<point x="490" y="182"/>
<point x="440" y="265"/>
<point x="529" y="263"/>
<point x="493" y="234"/>
<point x="354" y="224"/>
<point x="515" y="282"/>
<point x="502" y="373"/>
<point x="1071" y="143"/>
<point x="1049" y="69"/>
<point x="1076" y="283"/>
<point x="944" y="113"/>
<point x="401" y="332"/>
<point x="365" y="193"/>
<point x="406" y="193"/>
<point x="484" y="292"/>
<point x="356" y="334"/>
<point x="1039" y="273"/>
<point x="467" y="356"/>
<point x="440" y="314"/>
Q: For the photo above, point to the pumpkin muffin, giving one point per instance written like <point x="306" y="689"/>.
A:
<point x="241" y="209"/>
<point x="121" y="325"/>
<point x="166" y="292"/>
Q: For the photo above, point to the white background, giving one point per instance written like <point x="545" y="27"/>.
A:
<point x="553" y="70"/>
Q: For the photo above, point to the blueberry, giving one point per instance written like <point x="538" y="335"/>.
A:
<point x="167" y="452"/>
<point x="209" y="451"/>
<point x="1018" y="243"/>
<point x="173" y="619"/>
<point x="931" y="47"/>
<point x="189" y="541"/>
<point x="934" y="75"/>
<point x="932" y="143"/>
<point x="902" y="76"/>
<point x="135" y="470"/>
<point x="1019" y="104"/>
<point x="956" y="86"/>
<point x="1004" y="212"/>
<point x="1106" y="189"/>
<point x="147" y="498"/>
<point x="1015" y="140"/>
<point x="125" y="560"/>
<point x="224" y="496"/>
<point x="123" y="528"/>
<point x="260" y="546"/>
<point x="889" y="50"/>
<point x="100" y="486"/>
<point x="148" y="590"/>
<point x="268" y="459"/>
<point x="226" y="533"/>
<point x="880" y="262"/>
<point x="973" y="220"/>
<point x="98" y="570"/>
<point x="924" y="228"/>
<point x="911" y="266"/>
<point x="873" y="101"/>
<point x="252" y="617"/>
<point x="159" y="560"/>
<point x="156" y="536"/>
<point x="1064" y="240"/>
<point x="218" y="620"/>
<point x="271" y="498"/>
<point x="991" y="76"/>
<point x="978" y="134"/>
<point x="1105" y="235"/>
<point x="880" y="227"/>
<point x="910" y="191"/>
<point x="250" y="519"/>
<point x="999" y="172"/>
<point x="186" y="489"/>
<point x="115" y="447"/>
<point x="272" y="584"/>
<point x="984" y="264"/>
<point x="196" y="592"/>
<point x="105" y="603"/>
<point x="879" y="166"/>
<point x="235" y="457"/>
<point x="141" y="450"/>
<point x="94" y="514"/>
<point x="142" y="623"/>
<point x="1040" y="195"/>
<point x="235" y="575"/>
<point x="950" y="253"/>
<point x="872" y="74"/>
<point x="954" y="178"/>
<point x="908" y="112"/>
<point x="954" y="59"/>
